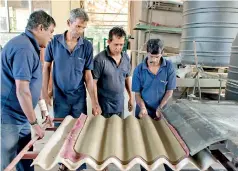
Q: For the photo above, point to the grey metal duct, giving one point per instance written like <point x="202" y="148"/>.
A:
<point x="232" y="79"/>
<point x="213" y="25"/>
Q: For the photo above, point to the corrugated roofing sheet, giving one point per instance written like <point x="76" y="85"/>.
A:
<point x="98" y="142"/>
<point x="201" y="124"/>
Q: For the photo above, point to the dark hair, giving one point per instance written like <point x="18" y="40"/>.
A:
<point x="155" y="46"/>
<point x="78" y="13"/>
<point x="116" y="31"/>
<point x="39" y="17"/>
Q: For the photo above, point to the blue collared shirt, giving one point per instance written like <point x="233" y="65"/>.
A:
<point x="69" y="67"/>
<point x="153" y="87"/>
<point x="20" y="61"/>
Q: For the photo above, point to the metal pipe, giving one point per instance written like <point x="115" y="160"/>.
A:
<point x="196" y="62"/>
<point x="219" y="97"/>
<point x="199" y="88"/>
<point x="107" y="21"/>
<point x="187" y="87"/>
<point x="107" y="13"/>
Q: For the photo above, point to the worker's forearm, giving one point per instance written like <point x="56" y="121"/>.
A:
<point x="128" y="87"/>
<point x="25" y="100"/>
<point x="139" y="101"/>
<point x="95" y="90"/>
<point x="46" y="77"/>
<point x="166" y="97"/>
<point x="90" y="88"/>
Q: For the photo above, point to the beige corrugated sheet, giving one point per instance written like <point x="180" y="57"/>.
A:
<point x="98" y="142"/>
<point x="146" y="138"/>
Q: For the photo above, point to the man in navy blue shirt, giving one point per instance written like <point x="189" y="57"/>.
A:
<point x="153" y="83"/>
<point x="21" y="80"/>
<point x="73" y="62"/>
<point x="112" y="75"/>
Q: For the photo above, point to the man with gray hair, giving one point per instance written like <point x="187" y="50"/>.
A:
<point x="73" y="62"/>
<point x="21" y="80"/>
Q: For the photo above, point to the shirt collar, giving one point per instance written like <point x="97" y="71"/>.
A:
<point x="32" y="39"/>
<point x="62" y="40"/>
<point x="144" y="65"/>
<point x="108" y="51"/>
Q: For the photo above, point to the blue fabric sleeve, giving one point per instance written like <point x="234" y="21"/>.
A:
<point x="22" y="65"/>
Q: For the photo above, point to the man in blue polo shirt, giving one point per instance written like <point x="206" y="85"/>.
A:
<point x="73" y="62"/>
<point x="21" y="80"/>
<point x="153" y="82"/>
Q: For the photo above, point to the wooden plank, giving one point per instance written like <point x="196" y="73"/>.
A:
<point x="21" y="154"/>
<point x="30" y="155"/>
<point x="190" y="82"/>
<point x="158" y="29"/>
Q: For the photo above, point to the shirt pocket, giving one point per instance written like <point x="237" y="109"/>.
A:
<point x="79" y="64"/>
<point x="162" y="85"/>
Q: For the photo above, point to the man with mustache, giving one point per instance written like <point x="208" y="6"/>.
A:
<point x="153" y="83"/>
<point x="112" y="75"/>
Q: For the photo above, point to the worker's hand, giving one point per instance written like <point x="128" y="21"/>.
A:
<point x="130" y="105"/>
<point x="38" y="130"/>
<point x="143" y="112"/>
<point x="158" y="112"/>
<point x="96" y="109"/>
<point x="50" y="94"/>
<point x="47" y="118"/>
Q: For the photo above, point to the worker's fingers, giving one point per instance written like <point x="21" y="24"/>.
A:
<point x="99" y="110"/>
<point x="39" y="131"/>
<point x="50" y="94"/>
<point x="141" y="115"/>
<point x="49" y="120"/>
<point x="130" y="107"/>
<point x="158" y="113"/>
<point x="94" y="112"/>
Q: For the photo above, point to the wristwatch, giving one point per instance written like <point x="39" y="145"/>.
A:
<point x="34" y="123"/>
